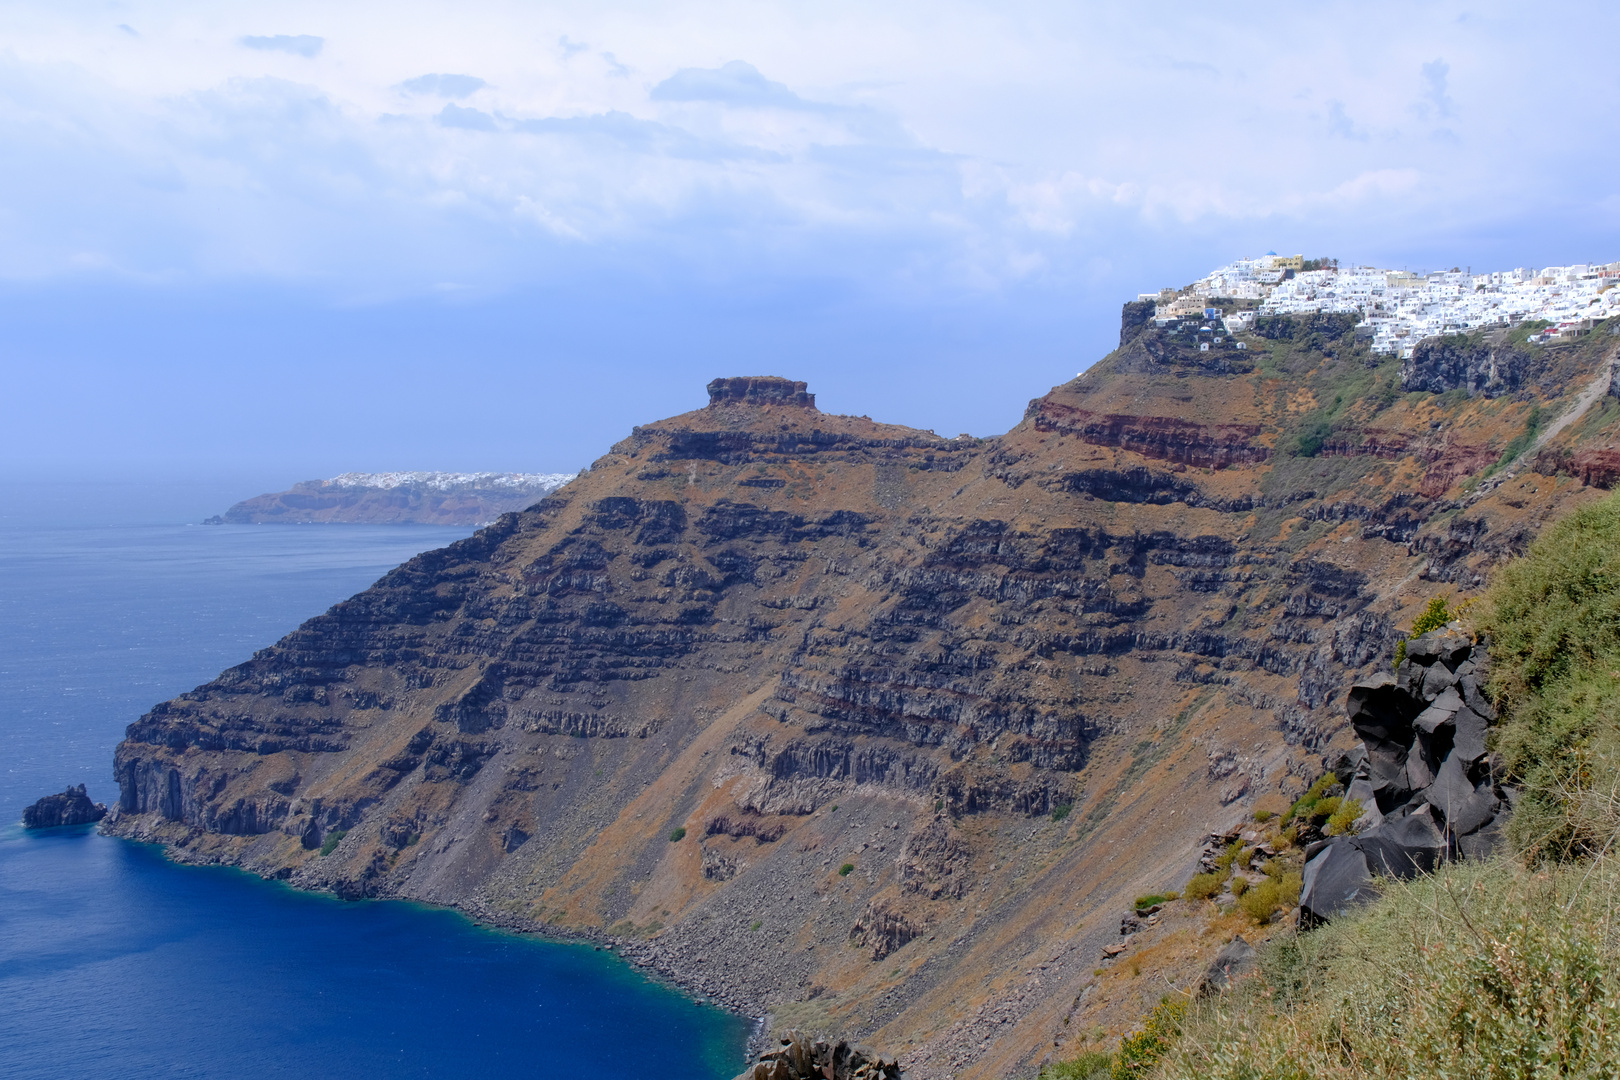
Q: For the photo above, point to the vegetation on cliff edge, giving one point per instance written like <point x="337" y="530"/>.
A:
<point x="1501" y="969"/>
<point x="1554" y="623"/>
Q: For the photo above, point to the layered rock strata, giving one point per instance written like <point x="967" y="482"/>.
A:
<point x="858" y="727"/>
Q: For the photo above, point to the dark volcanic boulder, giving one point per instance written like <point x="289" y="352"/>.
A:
<point x="1422" y="775"/>
<point x="1235" y="960"/>
<point x="1336" y="879"/>
<point x="1381" y="712"/>
<point x="72" y="807"/>
<point x="1443" y="646"/>
<point x="1404" y="846"/>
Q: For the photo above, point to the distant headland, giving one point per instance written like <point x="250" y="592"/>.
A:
<point x="396" y="498"/>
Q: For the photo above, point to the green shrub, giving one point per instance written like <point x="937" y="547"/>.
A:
<point x="1095" y="1065"/>
<point x="1239" y="885"/>
<point x="677" y="834"/>
<point x="1061" y="811"/>
<point x="1263" y="816"/>
<point x="1204" y="886"/>
<point x="1315" y="432"/>
<point x="333" y="839"/>
<point x="1343" y="817"/>
<point x="847" y="869"/>
<point x="1307" y="802"/>
<point x="1229" y="856"/>
<point x="1262" y="901"/>
<point x="757" y="924"/>
<point x="1554" y="622"/>
<point x="1149" y="900"/>
<point x="1325" y="808"/>
<point x="1139" y="1053"/>
<point x="1522" y="441"/>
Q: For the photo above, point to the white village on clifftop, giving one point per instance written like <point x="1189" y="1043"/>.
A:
<point x="1399" y="309"/>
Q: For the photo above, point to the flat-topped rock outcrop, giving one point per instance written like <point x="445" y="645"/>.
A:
<point x="71" y="807"/>
<point x="760" y="390"/>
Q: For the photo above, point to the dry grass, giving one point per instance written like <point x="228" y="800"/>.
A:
<point x="1481" y="971"/>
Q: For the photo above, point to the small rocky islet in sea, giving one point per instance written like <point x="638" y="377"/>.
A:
<point x="71" y="807"/>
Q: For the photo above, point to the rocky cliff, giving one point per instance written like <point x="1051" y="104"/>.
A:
<point x="873" y="730"/>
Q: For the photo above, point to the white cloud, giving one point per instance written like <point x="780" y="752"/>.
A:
<point x="450" y="86"/>
<point x="736" y="83"/>
<point x="954" y="142"/>
<point x="297" y="44"/>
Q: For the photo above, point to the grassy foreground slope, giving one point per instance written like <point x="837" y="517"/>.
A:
<point x="1504" y="969"/>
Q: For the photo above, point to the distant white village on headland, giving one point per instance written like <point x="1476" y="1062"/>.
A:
<point x="1399" y="309"/>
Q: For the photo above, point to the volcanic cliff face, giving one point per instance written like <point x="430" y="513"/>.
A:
<point x="927" y="710"/>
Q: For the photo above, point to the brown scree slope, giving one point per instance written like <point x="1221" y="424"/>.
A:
<point x="814" y="640"/>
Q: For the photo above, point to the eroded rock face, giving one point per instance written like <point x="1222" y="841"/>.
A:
<point x="1164" y="438"/>
<point x="1479" y="367"/>
<point x="72" y="807"/>
<point x="978" y="673"/>
<point x="760" y="390"/>
<point x="883" y="928"/>
<point x="1599" y="467"/>
<point x="800" y="1058"/>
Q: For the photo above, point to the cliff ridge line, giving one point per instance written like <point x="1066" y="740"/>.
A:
<point x="771" y="682"/>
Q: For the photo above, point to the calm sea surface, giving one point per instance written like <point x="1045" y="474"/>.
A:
<point x="116" y="963"/>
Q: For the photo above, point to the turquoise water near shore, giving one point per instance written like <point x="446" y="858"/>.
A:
<point x="116" y="962"/>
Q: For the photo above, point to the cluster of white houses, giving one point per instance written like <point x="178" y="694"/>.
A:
<point x="1399" y="309"/>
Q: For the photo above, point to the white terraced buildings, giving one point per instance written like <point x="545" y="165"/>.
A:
<point x="448" y="481"/>
<point x="1399" y="309"/>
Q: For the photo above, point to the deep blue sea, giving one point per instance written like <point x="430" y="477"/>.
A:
<point x="115" y="963"/>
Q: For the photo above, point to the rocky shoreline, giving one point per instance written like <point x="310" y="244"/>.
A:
<point x="661" y="964"/>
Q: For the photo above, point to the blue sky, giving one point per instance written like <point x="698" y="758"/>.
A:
<point x="294" y="239"/>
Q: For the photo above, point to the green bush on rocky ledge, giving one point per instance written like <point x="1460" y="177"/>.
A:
<point x="1501" y="969"/>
